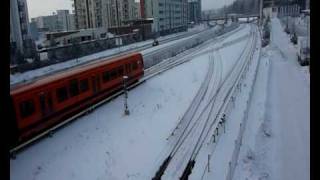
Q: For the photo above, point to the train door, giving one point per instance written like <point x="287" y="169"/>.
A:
<point x="96" y="85"/>
<point x="45" y="100"/>
<point x="128" y="69"/>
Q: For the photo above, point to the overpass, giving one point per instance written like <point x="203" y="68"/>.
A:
<point x="230" y="16"/>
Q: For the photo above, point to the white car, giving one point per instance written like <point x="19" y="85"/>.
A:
<point x="303" y="51"/>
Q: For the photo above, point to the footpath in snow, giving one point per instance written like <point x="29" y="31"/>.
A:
<point x="276" y="142"/>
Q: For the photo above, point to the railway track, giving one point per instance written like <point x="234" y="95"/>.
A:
<point x="95" y="60"/>
<point x="191" y="135"/>
<point x="195" y="52"/>
<point x="188" y="35"/>
<point x="149" y="73"/>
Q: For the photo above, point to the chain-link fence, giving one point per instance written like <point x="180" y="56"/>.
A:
<point x="157" y="56"/>
<point x="64" y="53"/>
<point x="238" y="142"/>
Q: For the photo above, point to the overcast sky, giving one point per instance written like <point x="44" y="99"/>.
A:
<point x="46" y="7"/>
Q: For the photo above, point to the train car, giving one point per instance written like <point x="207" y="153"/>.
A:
<point x="49" y="101"/>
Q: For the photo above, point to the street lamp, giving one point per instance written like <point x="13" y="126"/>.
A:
<point x="126" y="110"/>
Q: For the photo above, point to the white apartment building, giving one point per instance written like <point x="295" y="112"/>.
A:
<point x="103" y="13"/>
<point x="168" y="15"/>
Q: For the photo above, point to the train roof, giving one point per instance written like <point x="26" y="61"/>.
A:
<point x="65" y="74"/>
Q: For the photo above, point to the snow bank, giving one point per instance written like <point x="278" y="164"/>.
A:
<point x="277" y="143"/>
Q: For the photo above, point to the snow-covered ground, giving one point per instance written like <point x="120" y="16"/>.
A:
<point x="221" y="151"/>
<point x="20" y="77"/>
<point x="108" y="145"/>
<point x="276" y="143"/>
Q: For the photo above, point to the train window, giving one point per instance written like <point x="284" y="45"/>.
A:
<point x="62" y="94"/>
<point x="128" y="67"/>
<point x="120" y="71"/>
<point x="26" y="108"/>
<point x="105" y="76"/>
<point x="113" y="74"/>
<point x="84" y="85"/>
<point x="73" y="88"/>
<point x="134" y="66"/>
<point x="42" y="99"/>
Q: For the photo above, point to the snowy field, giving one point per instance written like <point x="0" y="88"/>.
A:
<point x="108" y="145"/>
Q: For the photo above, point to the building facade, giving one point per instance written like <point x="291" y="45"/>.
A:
<point x="168" y="15"/>
<point x="60" y="21"/>
<point x="19" y="24"/>
<point x="104" y="13"/>
<point x="194" y="8"/>
<point x="21" y="43"/>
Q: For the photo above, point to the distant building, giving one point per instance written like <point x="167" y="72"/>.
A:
<point x="34" y="30"/>
<point x="169" y="16"/>
<point x="77" y="36"/>
<point x="304" y="4"/>
<point x="61" y="21"/>
<point x="104" y="13"/>
<point x="194" y="8"/>
<point x="20" y="36"/>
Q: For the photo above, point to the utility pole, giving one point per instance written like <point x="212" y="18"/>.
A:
<point x="126" y="110"/>
<point x="261" y="10"/>
<point x="287" y="13"/>
<point x="117" y="17"/>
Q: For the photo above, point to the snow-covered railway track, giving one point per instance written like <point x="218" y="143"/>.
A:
<point x="148" y="74"/>
<point x="180" y="161"/>
<point x="189" y="55"/>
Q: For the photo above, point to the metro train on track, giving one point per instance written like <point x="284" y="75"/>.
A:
<point x="46" y="102"/>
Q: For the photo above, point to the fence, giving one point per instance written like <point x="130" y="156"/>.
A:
<point x="69" y="52"/>
<point x="238" y="142"/>
<point x="170" y="51"/>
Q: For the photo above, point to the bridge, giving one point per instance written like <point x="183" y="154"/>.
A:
<point x="230" y="16"/>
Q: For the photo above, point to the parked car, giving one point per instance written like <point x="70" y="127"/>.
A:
<point x="303" y="51"/>
<point x="155" y="42"/>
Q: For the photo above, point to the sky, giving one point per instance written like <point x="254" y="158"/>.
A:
<point x="46" y="7"/>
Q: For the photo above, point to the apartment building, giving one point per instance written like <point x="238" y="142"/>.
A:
<point x="168" y="15"/>
<point x="104" y="13"/>
<point x="19" y="24"/>
<point x="21" y="43"/>
<point x="60" y="21"/>
<point x="194" y="11"/>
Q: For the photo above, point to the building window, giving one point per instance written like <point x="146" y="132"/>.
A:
<point x="103" y="35"/>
